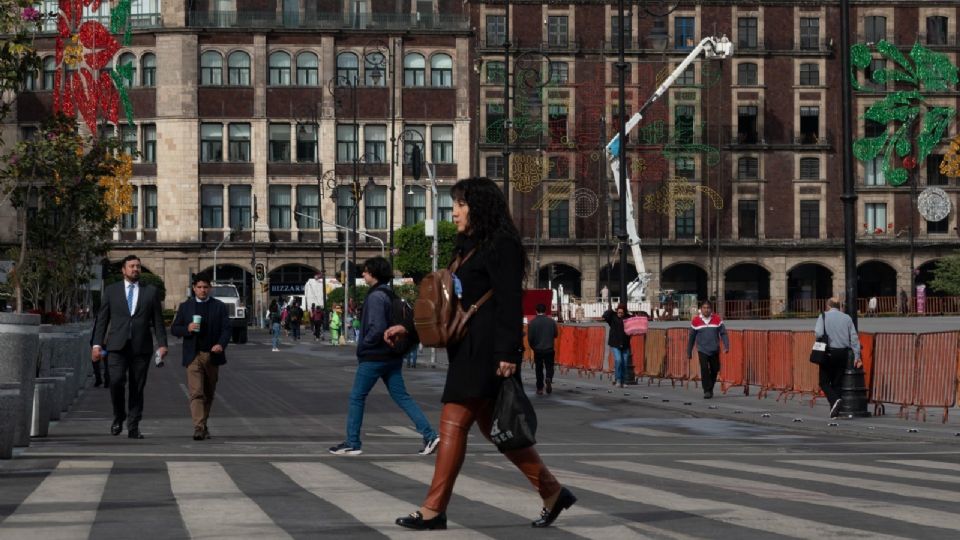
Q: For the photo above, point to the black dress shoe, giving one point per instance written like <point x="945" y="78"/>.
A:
<point x="97" y="384"/>
<point x="415" y="521"/>
<point x="134" y="433"/>
<point x="116" y="427"/>
<point x="564" y="501"/>
<point x="198" y="434"/>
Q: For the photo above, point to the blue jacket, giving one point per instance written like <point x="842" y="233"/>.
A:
<point x="374" y="321"/>
<point x="215" y="325"/>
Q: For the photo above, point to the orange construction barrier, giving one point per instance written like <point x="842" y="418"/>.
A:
<point x="654" y="353"/>
<point x="731" y="364"/>
<point x="938" y="370"/>
<point x="894" y="371"/>
<point x="866" y="354"/>
<point x="806" y="375"/>
<point x="594" y="348"/>
<point x="958" y="376"/>
<point x="678" y="368"/>
<point x="755" y="358"/>
<point x="527" y="351"/>
<point x="779" y="363"/>
<point x="580" y="350"/>
<point x="636" y="349"/>
<point x="564" y="358"/>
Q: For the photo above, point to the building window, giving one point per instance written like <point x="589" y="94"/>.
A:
<point x="348" y="69"/>
<point x="875" y="28"/>
<point x="128" y="138"/>
<point x="684" y="223"/>
<point x="211" y="207"/>
<point x="308" y="69"/>
<point x="809" y="219"/>
<point x="495" y="121"/>
<point x="809" y="125"/>
<point x="105" y="131"/>
<point x="211" y="143"/>
<point x="557" y="27"/>
<point x="683" y="32"/>
<point x="747" y="124"/>
<point x="148" y="70"/>
<point x="414" y="70"/>
<point x="306" y="143"/>
<point x="936" y="30"/>
<point x="869" y="83"/>
<point x="308" y="203"/>
<point x="376" y="208"/>
<point x="810" y="168"/>
<point x="240" y="207"/>
<point x="688" y="77"/>
<point x="441" y="144"/>
<point x="280" y="143"/>
<point x="128" y="59"/>
<point x="686" y="167"/>
<point x="627" y="31"/>
<point x="211" y="69"/>
<point x="876" y="218"/>
<point x="747" y="218"/>
<point x="279" y="207"/>
<point x="28" y="133"/>
<point x="441" y="70"/>
<point x="748" y="168"/>
<point x="494" y="166"/>
<point x="239" y="140"/>
<point x="279" y="69"/>
<point x="934" y="176"/>
<point x="682" y="124"/>
<point x="414" y="206"/>
<point x="809" y="74"/>
<point x="873" y="171"/>
<point x="557" y="121"/>
<point x="938" y="227"/>
<point x="747" y="74"/>
<point x="129" y="221"/>
<point x="558" y="168"/>
<point x="496" y="30"/>
<point x="444" y="204"/>
<point x="344" y="207"/>
<point x="495" y="73"/>
<point x="809" y="33"/>
<point x="559" y="218"/>
<point x="30" y="81"/>
<point x="747" y="33"/>
<point x="559" y="73"/>
<point x="49" y="72"/>
<point x="375" y="69"/>
<point x="238" y="69"/>
<point x="375" y="144"/>
<point x="346" y="143"/>
<point x="149" y="207"/>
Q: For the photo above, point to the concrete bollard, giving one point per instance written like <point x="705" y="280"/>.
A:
<point x="56" y="395"/>
<point x="66" y="389"/>
<point x="44" y="401"/>
<point x="19" y="341"/>
<point x="9" y="417"/>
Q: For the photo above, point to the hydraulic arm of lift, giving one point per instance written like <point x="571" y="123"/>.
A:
<point x="712" y="47"/>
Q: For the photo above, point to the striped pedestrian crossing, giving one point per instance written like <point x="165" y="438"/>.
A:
<point x="675" y="499"/>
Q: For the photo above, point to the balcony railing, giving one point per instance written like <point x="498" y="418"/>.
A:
<point x="137" y="20"/>
<point x="328" y="21"/>
<point x="813" y="45"/>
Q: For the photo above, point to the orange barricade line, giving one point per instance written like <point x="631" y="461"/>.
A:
<point x="806" y="375"/>
<point x="731" y="364"/>
<point x="527" y="351"/>
<point x="937" y="371"/>
<point x="677" y="365"/>
<point x="564" y="357"/>
<point x="894" y="370"/>
<point x="579" y="345"/>
<point x="595" y="350"/>
<point x="866" y="354"/>
<point x="780" y="362"/>
<point x="654" y="353"/>
<point x="637" y="350"/>
<point x="755" y="355"/>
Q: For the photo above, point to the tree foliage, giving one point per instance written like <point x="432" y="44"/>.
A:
<point x="358" y="294"/>
<point x="18" y="21"/>
<point x="946" y="275"/>
<point x="146" y="278"/>
<point x="413" y="257"/>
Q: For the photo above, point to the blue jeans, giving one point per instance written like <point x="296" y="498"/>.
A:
<point x="620" y="357"/>
<point x="411" y="357"/>
<point x="368" y="373"/>
<point x="275" y="332"/>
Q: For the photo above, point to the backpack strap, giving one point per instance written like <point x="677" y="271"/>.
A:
<point x="458" y="262"/>
<point x="476" y="305"/>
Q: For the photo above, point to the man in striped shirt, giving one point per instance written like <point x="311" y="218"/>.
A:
<point x="707" y="331"/>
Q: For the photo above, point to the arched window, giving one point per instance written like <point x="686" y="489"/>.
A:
<point x="348" y="69"/>
<point x="279" y="69"/>
<point x="128" y="59"/>
<point x="49" y="69"/>
<point x="238" y="69"/>
<point x="375" y="69"/>
<point x="211" y="69"/>
<point x="148" y="70"/>
<point x="308" y="69"/>
<point x="414" y="67"/>
<point x="441" y="70"/>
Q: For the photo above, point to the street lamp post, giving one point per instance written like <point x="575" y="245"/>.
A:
<point x="313" y="115"/>
<point x="849" y="196"/>
<point x="215" y="250"/>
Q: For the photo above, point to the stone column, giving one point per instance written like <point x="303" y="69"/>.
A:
<point x="19" y="342"/>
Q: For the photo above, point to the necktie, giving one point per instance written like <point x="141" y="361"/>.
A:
<point x="130" y="298"/>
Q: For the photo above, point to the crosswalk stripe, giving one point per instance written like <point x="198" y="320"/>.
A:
<point x="63" y="506"/>
<point x="212" y="506"/>
<point x="881" y="471"/>
<point x="901" y="512"/>
<point x="523" y="503"/>
<point x="729" y="513"/>
<point x="847" y="481"/>
<point x="926" y="464"/>
<point x="402" y="430"/>
<point x="369" y="506"/>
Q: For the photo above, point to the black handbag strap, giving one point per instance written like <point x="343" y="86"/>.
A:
<point x="823" y="316"/>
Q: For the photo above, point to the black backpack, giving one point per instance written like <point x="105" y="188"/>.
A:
<point x="401" y="312"/>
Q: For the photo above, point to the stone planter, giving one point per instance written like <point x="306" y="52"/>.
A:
<point x="19" y="341"/>
<point x="66" y="390"/>
<point x="56" y="394"/>
<point x="44" y="400"/>
<point x="10" y="408"/>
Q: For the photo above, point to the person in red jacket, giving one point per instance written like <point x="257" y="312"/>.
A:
<point x="707" y="331"/>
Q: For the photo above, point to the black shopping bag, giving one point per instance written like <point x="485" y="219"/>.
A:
<point x="514" y="420"/>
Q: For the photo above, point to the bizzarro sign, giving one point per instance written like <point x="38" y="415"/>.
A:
<point x="286" y="288"/>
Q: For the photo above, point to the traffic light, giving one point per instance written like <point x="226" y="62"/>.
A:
<point x="261" y="272"/>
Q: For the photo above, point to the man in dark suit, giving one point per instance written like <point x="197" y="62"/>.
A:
<point x="204" y="343"/>
<point x="128" y="312"/>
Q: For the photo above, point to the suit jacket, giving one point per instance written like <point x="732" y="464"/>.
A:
<point x="216" y="323"/>
<point x="115" y="327"/>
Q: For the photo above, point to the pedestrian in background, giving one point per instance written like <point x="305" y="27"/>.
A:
<point x="273" y="315"/>
<point x="619" y="342"/>
<point x="204" y="325"/>
<point x="707" y="332"/>
<point x="541" y="334"/>
<point x="493" y="260"/>
<point x="410" y="359"/>
<point x="295" y="317"/>
<point x="842" y="339"/>
<point x="335" y="324"/>
<point x="316" y="319"/>
<point x="378" y="361"/>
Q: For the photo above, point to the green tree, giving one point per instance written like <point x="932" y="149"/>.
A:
<point x="946" y="275"/>
<point x="358" y="294"/>
<point x="413" y="258"/>
<point x="19" y="19"/>
<point x="147" y="278"/>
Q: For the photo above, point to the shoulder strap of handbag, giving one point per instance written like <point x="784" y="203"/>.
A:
<point x="455" y="265"/>
<point x="823" y="315"/>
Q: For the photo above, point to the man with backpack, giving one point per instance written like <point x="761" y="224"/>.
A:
<point x="295" y="316"/>
<point x="379" y="360"/>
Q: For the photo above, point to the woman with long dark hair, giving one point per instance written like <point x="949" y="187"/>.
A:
<point x="492" y="257"/>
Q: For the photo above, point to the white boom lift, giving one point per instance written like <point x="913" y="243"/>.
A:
<point x="712" y="47"/>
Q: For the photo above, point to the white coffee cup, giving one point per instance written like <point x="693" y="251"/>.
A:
<point x="196" y="321"/>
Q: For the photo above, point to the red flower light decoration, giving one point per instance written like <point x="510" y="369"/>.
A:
<point x="878" y="231"/>
<point x="909" y="162"/>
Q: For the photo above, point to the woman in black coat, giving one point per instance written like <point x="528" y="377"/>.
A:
<point x="493" y="258"/>
<point x="619" y="342"/>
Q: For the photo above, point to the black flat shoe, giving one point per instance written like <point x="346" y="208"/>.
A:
<point x="116" y="427"/>
<point x="564" y="501"/>
<point x="415" y="521"/>
<point x="135" y="433"/>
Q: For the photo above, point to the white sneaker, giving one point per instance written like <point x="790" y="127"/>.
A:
<point x="429" y="447"/>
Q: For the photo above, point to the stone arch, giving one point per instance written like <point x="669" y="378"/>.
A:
<point x="876" y="278"/>
<point x="610" y="277"/>
<point x="746" y="291"/>
<point x="925" y="276"/>
<point x="685" y="278"/>
<point x="807" y="283"/>
<point x="553" y="274"/>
